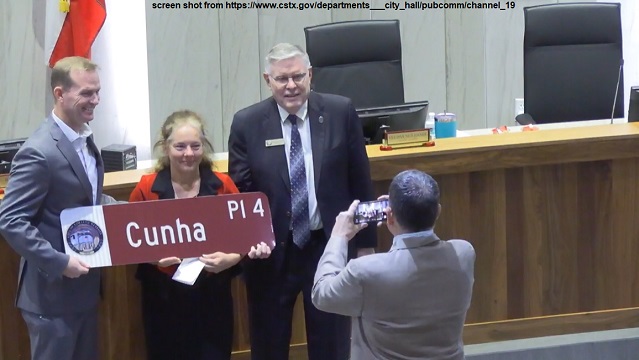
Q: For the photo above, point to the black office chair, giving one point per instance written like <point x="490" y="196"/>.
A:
<point x="572" y="62"/>
<point x="633" y="108"/>
<point x="361" y="60"/>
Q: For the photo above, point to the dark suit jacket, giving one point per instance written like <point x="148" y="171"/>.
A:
<point x="342" y="172"/>
<point x="47" y="177"/>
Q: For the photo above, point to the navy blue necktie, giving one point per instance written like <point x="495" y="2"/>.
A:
<point x="299" y="190"/>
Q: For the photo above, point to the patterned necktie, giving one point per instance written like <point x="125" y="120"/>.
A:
<point x="299" y="191"/>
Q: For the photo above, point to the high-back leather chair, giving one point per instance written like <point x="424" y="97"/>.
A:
<point x="361" y="60"/>
<point x="633" y="107"/>
<point x="572" y="58"/>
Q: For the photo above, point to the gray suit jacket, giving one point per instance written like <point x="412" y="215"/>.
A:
<point x="409" y="303"/>
<point x="47" y="177"/>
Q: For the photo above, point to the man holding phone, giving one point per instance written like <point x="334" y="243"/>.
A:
<point x="411" y="302"/>
<point x="371" y="211"/>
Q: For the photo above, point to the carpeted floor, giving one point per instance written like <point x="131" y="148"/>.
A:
<point x="602" y="345"/>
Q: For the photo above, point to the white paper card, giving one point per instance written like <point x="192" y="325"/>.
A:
<point x="188" y="271"/>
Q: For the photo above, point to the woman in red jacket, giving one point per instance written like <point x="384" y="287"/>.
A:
<point x="182" y="321"/>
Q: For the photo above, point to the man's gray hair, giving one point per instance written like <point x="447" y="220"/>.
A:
<point x="284" y="51"/>
<point x="414" y="198"/>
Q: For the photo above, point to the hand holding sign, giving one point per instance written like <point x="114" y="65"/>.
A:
<point x="166" y="262"/>
<point x="219" y="261"/>
<point x="259" y="251"/>
<point x="75" y="268"/>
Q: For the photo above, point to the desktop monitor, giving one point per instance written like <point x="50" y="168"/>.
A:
<point x="409" y="116"/>
<point x="633" y="108"/>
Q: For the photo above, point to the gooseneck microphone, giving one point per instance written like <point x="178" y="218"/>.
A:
<point x="614" y="103"/>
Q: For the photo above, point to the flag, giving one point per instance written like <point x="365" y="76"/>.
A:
<point x="71" y="28"/>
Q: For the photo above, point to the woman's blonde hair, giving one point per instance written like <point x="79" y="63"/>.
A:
<point x="174" y="121"/>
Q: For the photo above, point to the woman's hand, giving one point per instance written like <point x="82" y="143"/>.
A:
<point x="168" y="261"/>
<point x="219" y="261"/>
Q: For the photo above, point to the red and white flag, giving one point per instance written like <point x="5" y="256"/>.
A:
<point x="71" y="28"/>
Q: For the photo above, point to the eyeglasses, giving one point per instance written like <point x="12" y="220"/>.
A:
<point x="283" y="80"/>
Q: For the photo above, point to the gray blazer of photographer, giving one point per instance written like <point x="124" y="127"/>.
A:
<point x="409" y="303"/>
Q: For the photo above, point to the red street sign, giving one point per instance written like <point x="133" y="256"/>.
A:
<point x="133" y="233"/>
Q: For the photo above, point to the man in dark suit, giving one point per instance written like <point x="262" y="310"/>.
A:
<point x="306" y="152"/>
<point x="58" y="167"/>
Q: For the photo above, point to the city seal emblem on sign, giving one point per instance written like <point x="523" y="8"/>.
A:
<point x="84" y="237"/>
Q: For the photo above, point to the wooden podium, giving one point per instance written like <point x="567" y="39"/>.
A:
<point x="552" y="215"/>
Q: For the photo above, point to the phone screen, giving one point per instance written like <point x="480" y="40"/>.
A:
<point x="370" y="211"/>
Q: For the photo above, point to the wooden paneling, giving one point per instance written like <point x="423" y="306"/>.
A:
<point x="487" y="210"/>
<point x="549" y="239"/>
<point x="552" y="216"/>
<point x="122" y="302"/>
<point x="14" y="342"/>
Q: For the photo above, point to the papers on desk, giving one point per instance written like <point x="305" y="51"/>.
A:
<point x="188" y="271"/>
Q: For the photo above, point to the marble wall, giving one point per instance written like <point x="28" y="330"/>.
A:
<point x="210" y="60"/>
<point x="23" y="74"/>
<point x="25" y="95"/>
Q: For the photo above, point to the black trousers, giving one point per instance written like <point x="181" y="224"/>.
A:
<point x="272" y="296"/>
<point x="186" y="322"/>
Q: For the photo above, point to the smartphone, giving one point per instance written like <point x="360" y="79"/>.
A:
<point x="370" y="211"/>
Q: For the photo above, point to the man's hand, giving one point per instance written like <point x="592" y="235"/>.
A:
<point x="75" y="268"/>
<point x="219" y="261"/>
<point x="344" y="224"/>
<point x="259" y="251"/>
<point x="168" y="261"/>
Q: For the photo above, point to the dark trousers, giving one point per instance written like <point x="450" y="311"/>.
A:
<point x="272" y="296"/>
<point x="186" y="322"/>
<point x="63" y="337"/>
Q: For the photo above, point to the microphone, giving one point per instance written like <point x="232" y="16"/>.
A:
<point x="614" y="103"/>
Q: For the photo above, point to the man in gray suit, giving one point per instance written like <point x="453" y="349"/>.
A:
<point x="411" y="302"/>
<point x="58" y="167"/>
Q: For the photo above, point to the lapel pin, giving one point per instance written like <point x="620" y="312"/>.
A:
<point x="321" y="119"/>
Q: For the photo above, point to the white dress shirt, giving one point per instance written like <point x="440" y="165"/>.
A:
<point x="79" y="142"/>
<point x="304" y="128"/>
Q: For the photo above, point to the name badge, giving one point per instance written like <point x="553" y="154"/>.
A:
<point x="274" y="142"/>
